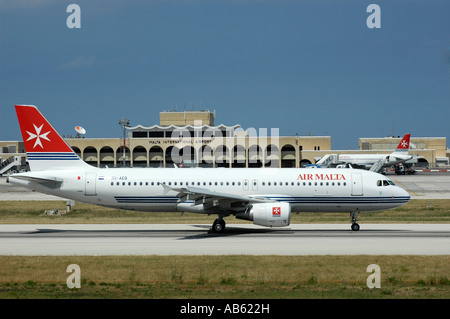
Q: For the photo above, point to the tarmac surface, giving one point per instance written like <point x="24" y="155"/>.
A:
<point x="238" y="239"/>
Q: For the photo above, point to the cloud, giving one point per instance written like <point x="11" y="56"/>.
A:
<point x="78" y="63"/>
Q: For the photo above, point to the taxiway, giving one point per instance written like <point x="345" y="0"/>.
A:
<point x="239" y="239"/>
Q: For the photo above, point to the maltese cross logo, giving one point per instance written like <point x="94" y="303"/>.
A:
<point x="38" y="136"/>
<point x="276" y="211"/>
<point x="404" y="144"/>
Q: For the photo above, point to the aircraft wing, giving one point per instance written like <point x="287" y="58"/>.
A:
<point x="215" y="200"/>
<point x="402" y="157"/>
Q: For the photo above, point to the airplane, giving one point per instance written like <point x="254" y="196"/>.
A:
<point x="372" y="161"/>
<point x="266" y="196"/>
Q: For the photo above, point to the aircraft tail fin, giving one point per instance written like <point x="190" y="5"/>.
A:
<point x="403" y="146"/>
<point x="44" y="146"/>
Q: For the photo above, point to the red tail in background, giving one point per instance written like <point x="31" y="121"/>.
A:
<point x="404" y="143"/>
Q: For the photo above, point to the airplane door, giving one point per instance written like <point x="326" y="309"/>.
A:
<point x="357" y="187"/>
<point x="90" y="184"/>
<point x="255" y="185"/>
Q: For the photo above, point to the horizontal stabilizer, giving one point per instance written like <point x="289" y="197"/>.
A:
<point x="48" y="181"/>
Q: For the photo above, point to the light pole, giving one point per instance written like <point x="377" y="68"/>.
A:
<point x="124" y="123"/>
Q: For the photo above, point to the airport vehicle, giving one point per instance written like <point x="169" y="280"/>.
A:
<point x="374" y="162"/>
<point x="402" y="169"/>
<point x="266" y="196"/>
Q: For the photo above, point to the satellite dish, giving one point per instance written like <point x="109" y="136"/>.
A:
<point x="80" y="131"/>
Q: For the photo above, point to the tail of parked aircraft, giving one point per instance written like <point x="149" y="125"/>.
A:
<point x="44" y="146"/>
<point x="403" y="146"/>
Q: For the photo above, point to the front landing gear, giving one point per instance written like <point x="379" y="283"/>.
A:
<point x="354" y="216"/>
<point x="218" y="226"/>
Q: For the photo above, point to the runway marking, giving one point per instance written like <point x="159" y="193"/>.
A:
<point x="407" y="188"/>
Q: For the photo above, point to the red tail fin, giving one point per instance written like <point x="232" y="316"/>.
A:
<point x="44" y="146"/>
<point x="404" y="143"/>
<point x="37" y="133"/>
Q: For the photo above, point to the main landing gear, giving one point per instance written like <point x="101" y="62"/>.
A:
<point x="219" y="225"/>
<point x="354" y="216"/>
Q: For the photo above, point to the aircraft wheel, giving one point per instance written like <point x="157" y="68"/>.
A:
<point x="355" y="227"/>
<point x="218" y="226"/>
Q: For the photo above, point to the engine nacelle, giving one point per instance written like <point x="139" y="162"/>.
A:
<point x="268" y="214"/>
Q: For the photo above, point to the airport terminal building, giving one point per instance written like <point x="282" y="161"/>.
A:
<point x="191" y="138"/>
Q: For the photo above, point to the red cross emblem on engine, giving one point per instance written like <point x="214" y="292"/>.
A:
<point x="276" y="211"/>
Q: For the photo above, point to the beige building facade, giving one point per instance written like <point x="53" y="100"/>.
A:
<point x="193" y="139"/>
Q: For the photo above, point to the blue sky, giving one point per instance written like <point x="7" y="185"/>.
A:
<point x="306" y="67"/>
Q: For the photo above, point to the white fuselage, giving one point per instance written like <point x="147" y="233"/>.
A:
<point x="370" y="159"/>
<point x="315" y="190"/>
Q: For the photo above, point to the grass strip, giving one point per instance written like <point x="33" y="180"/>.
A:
<point x="31" y="212"/>
<point x="233" y="277"/>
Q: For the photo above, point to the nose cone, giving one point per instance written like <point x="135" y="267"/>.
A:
<point x="402" y="195"/>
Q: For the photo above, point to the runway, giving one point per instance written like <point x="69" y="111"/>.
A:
<point x="239" y="239"/>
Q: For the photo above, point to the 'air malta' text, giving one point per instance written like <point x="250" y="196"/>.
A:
<point x="321" y="177"/>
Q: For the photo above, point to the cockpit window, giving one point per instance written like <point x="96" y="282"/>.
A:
<point x="385" y="182"/>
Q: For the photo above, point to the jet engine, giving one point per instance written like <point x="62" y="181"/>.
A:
<point x="268" y="214"/>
